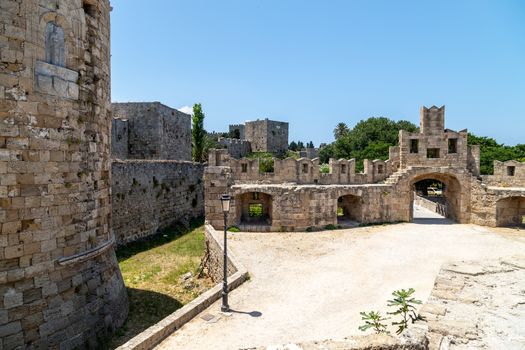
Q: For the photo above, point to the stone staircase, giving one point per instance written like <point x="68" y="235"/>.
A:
<point x="394" y="178"/>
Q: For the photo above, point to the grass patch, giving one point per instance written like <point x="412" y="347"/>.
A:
<point x="153" y="269"/>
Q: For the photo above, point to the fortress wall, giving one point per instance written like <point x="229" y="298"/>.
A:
<point x="60" y="285"/>
<point x="236" y="148"/>
<point x="156" y="131"/>
<point x="151" y="195"/>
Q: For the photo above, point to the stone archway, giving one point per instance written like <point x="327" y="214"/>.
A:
<point x="449" y="188"/>
<point x="349" y="210"/>
<point x="254" y="209"/>
<point x="510" y="211"/>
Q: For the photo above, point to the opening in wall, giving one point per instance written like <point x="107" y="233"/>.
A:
<point x="244" y="168"/>
<point x="433" y="153"/>
<point x="343" y="169"/>
<point x="255" y="210"/>
<point x="452" y="145"/>
<point x="89" y="9"/>
<point x="380" y="168"/>
<point x="305" y="168"/>
<point x="414" y="146"/>
<point x="511" y="170"/>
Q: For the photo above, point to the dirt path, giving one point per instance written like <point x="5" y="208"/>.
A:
<point x="312" y="286"/>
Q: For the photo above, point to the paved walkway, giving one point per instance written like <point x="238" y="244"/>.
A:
<point x="312" y="286"/>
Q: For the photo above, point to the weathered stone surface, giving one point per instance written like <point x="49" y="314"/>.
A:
<point x="55" y="119"/>
<point x="154" y="131"/>
<point x="481" y="309"/>
<point x="151" y="195"/>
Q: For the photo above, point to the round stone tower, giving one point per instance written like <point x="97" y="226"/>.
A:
<point x="60" y="285"/>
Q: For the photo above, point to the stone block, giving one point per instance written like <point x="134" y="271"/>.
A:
<point x="13" y="298"/>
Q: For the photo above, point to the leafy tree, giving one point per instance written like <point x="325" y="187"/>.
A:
<point x="300" y="145"/>
<point x="198" y="134"/>
<point x="369" y="139"/>
<point x="310" y="145"/>
<point x="326" y="152"/>
<point x="340" y="130"/>
<point x="292" y="146"/>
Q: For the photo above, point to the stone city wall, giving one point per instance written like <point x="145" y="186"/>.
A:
<point x="236" y="148"/>
<point x="293" y="207"/>
<point x="155" y="131"/>
<point x="296" y="196"/>
<point x="309" y="153"/>
<point x="151" y="195"/>
<point x="60" y="284"/>
<point x="302" y="171"/>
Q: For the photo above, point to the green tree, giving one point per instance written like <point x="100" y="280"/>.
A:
<point x="369" y="139"/>
<point x="340" y="130"/>
<point x="198" y="134"/>
<point x="326" y="152"/>
<point x="292" y="146"/>
<point x="300" y="145"/>
<point x="310" y="145"/>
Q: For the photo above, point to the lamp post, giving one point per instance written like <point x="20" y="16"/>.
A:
<point x="225" y="202"/>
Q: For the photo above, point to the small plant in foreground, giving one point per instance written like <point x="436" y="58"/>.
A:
<point x="406" y="308"/>
<point x="374" y="320"/>
<point x="234" y="229"/>
<point x="405" y="303"/>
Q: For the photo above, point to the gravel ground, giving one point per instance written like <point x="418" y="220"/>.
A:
<point x="312" y="286"/>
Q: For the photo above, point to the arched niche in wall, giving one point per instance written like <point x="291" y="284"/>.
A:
<point x="52" y="75"/>
<point x="55" y="45"/>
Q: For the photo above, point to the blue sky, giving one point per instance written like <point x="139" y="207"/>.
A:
<point x="317" y="63"/>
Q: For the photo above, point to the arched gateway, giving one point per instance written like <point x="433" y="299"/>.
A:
<point x="433" y="165"/>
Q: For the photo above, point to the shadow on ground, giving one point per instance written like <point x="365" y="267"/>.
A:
<point x="145" y="309"/>
<point x="433" y="221"/>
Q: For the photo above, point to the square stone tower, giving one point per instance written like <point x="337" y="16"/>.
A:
<point x="267" y="136"/>
<point x="155" y="131"/>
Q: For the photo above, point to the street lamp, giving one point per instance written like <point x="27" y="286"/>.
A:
<point x="225" y="202"/>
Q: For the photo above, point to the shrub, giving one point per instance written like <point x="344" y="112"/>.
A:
<point x="406" y="308"/>
<point x="324" y="168"/>
<point x="234" y="229"/>
<point x="374" y="320"/>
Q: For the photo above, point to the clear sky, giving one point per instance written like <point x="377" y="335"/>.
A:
<point x="317" y="63"/>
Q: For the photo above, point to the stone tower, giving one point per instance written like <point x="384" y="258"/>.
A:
<point x="432" y="120"/>
<point x="60" y="285"/>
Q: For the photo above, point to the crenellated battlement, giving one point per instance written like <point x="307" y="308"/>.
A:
<point x="302" y="170"/>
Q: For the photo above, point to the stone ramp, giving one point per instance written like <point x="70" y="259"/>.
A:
<point x="478" y="305"/>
